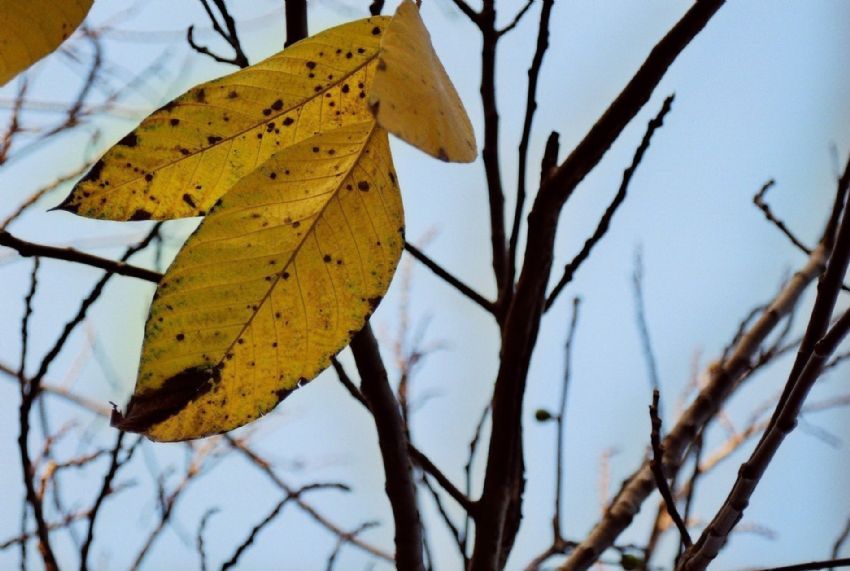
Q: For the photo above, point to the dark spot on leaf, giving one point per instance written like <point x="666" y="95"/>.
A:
<point x="187" y="198"/>
<point x="392" y="176"/>
<point x="288" y="121"/>
<point x="315" y="149"/>
<point x="150" y="408"/>
<point x="141" y="214"/>
<point x="273" y="175"/>
<point x="167" y="107"/>
<point x="349" y="55"/>
<point x="345" y="88"/>
<point x="174" y="122"/>
<point x="311" y="65"/>
<point x="267" y="111"/>
<point x="201" y="96"/>
<point x="296" y="224"/>
<point x="373" y="302"/>
<point x="212" y="139"/>
<point x="149" y="177"/>
<point x="361" y="50"/>
<point x="180" y="337"/>
<point x="376" y="31"/>
<point x="442" y="155"/>
<point x="232" y="95"/>
<point x="363" y="185"/>
<point x="94" y="173"/>
<point x="130" y="140"/>
<point x="282" y="393"/>
<point x="277" y="105"/>
<point x="326" y="258"/>
<point x="285" y="275"/>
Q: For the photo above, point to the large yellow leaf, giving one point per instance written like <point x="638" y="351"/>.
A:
<point x="277" y="278"/>
<point x="186" y="155"/>
<point x="412" y="96"/>
<point x="31" y="29"/>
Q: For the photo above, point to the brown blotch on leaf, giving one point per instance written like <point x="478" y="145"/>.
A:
<point x="148" y="409"/>
<point x="94" y="173"/>
<point x="130" y="140"/>
<point x="363" y="186"/>
<point x="442" y="155"/>
<point x="140" y="214"/>
<point x="376" y="31"/>
<point x="277" y="105"/>
<point x="213" y="139"/>
<point x="283" y="393"/>
<point x="373" y="302"/>
<point x="174" y="122"/>
<point x="201" y="96"/>
<point x="288" y="121"/>
<point x="232" y="95"/>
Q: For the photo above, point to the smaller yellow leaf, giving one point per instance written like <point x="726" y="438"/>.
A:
<point x="31" y="29"/>
<point x="412" y="96"/>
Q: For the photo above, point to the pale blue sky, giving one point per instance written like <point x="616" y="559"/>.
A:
<point x="762" y="93"/>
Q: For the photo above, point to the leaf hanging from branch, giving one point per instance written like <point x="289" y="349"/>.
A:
<point x="31" y="29"/>
<point x="186" y="155"/>
<point x="412" y="96"/>
<point x="276" y="280"/>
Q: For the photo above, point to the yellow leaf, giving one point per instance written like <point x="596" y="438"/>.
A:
<point x="412" y="96"/>
<point x="276" y="280"/>
<point x="31" y="29"/>
<point x="186" y="155"/>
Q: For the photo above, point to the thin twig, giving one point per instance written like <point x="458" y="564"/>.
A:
<point x="605" y="222"/>
<point x="657" y="466"/>
<point x="759" y="201"/>
<point x="252" y="536"/>
<point x="449" y="278"/>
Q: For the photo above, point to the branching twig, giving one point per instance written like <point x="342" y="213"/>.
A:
<point x="657" y="466"/>
<point x="605" y="222"/>
<point x="229" y="35"/>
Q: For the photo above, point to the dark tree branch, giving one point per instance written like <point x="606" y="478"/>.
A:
<point x="466" y="9"/>
<point x="605" y="222"/>
<point x="227" y="32"/>
<point x="819" y="342"/>
<point x="296" y="21"/>
<point x="657" y="466"/>
<point x="812" y="565"/>
<point x="416" y="455"/>
<point x="28" y="249"/>
<point x="398" y="470"/>
<point x="530" y="108"/>
<point x="376" y="7"/>
<point x="486" y="21"/>
<point x="449" y="278"/>
<point x="842" y="537"/>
